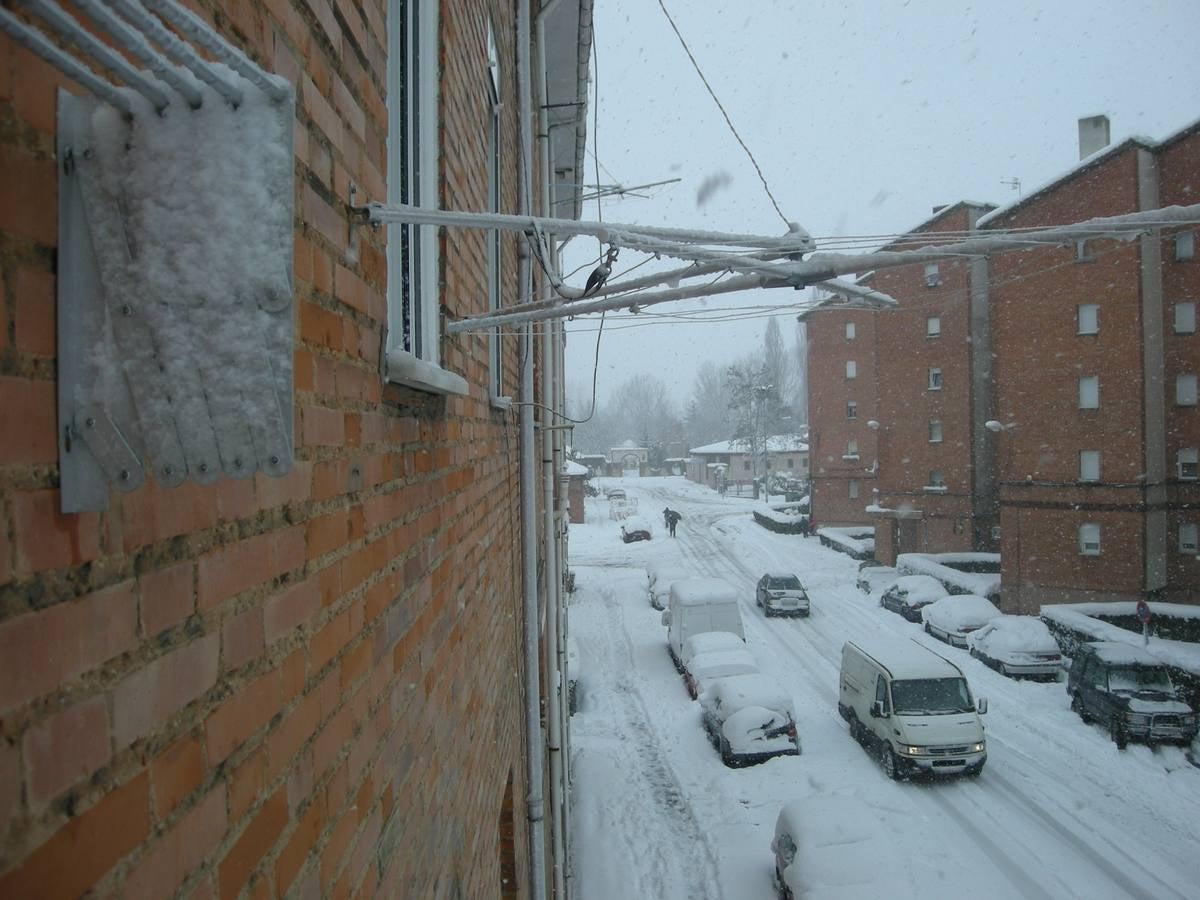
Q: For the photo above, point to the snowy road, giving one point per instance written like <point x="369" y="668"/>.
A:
<point x="1058" y="812"/>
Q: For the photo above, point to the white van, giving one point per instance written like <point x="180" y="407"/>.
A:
<point x="697" y="605"/>
<point x="913" y="706"/>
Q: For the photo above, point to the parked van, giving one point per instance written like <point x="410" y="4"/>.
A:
<point x="913" y="706"/>
<point x="697" y="605"/>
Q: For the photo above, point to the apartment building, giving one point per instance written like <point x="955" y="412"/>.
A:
<point x="313" y="678"/>
<point x="1096" y="366"/>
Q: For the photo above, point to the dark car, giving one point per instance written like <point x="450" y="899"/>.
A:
<point x="1129" y="692"/>
<point x="635" y="528"/>
<point x="781" y="594"/>
<point x="909" y="594"/>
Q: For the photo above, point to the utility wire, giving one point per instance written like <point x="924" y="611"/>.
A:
<point x="728" y="121"/>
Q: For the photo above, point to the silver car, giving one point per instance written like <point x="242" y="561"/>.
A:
<point x="781" y="594"/>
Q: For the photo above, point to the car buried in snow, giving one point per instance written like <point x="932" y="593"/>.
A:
<point x="749" y="719"/>
<point x="1128" y="691"/>
<point x="833" y="846"/>
<point x="659" y="578"/>
<point x="908" y="594"/>
<point x="952" y="618"/>
<point x="1018" y="647"/>
<point x="781" y="594"/>
<point x="873" y="576"/>
<point x="635" y="528"/>
<point x="704" y="669"/>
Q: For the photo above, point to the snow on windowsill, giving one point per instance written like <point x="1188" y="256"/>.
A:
<point x="935" y="489"/>
<point x="404" y="368"/>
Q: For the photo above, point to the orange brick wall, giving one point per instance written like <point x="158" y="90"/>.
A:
<point x="307" y="684"/>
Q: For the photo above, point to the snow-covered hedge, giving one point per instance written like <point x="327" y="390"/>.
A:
<point x="959" y="573"/>
<point x="1076" y="623"/>
<point x="784" y="518"/>
<point x="857" y="541"/>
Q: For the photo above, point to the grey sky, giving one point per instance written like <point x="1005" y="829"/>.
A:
<point x="863" y="116"/>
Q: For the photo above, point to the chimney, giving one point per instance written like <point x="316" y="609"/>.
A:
<point x="1093" y="135"/>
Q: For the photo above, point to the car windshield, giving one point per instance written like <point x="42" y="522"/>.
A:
<point x="930" y="696"/>
<point x="786" y="583"/>
<point x="1132" y="679"/>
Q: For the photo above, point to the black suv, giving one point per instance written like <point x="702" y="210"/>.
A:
<point x="1128" y="691"/>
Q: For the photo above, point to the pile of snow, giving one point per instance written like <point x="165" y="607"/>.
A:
<point x="570" y="467"/>
<point x="702" y="592"/>
<point x="857" y="540"/>
<point x="1019" y="634"/>
<point x="709" y="642"/>
<point x="728" y="695"/>
<point x="1078" y="617"/>
<point x="782" y="513"/>
<point x="942" y="567"/>
<point x="960" y="612"/>
<point x="841" y="848"/>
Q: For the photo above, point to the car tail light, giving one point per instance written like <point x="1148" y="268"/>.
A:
<point x="791" y="730"/>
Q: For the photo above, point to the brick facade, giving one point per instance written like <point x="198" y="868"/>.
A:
<point x="307" y="685"/>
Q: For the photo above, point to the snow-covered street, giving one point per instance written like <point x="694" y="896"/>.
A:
<point x="1058" y="811"/>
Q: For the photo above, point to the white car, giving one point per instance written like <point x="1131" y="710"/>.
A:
<point x="749" y="719"/>
<point x="952" y="618"/>
<point x="1017" y="646"/>
<point x="781" y="594"/>
<point x="873" y="576"/>
<point x="659" y="577"/>
<point x="708" y="642"/>
<point x="706" y="668"/>
<point x="909" y="593"/>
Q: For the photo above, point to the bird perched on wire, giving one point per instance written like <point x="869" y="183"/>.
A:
<point x="600" y="273"/>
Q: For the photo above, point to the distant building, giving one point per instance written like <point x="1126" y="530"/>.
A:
<point x="628" y="456"/>
<point x="732" y="461"/>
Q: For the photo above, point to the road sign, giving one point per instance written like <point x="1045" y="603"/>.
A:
<point x="1143" y="612"/>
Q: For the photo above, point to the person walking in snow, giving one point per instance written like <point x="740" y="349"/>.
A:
<point x="804" y="526"/>
<point x="673" y="520"/>
<point x="666" y="517"/>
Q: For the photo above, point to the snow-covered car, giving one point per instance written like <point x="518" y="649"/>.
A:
<point x="749" y="719"/>
<point x="908" y="594"/>
<point x="1128" y="690"/>
<point x="572" y="675"/>
<point x="834" y="846"/>
<point x="781" y="594"/>
<point x="659" y="577"/>
<point x="952" y="618"/>
<point x="1017" y="646"/>
<point x="708" y="642"/>
<point x="635" y="528"/>
<point x="873" y="576"/>
<point x="706" y="668"/>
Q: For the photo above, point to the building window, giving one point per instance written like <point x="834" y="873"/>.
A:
<point x="851" y="369"/>
<point x="935" y="431"/>
<point x="936" y="483"/>
<point x="933" y="326"/>
<point x="412" y="178"/>
<point x="790" y="463"/>
<point x="1186" y="463"/>
<point x="746" y="465"/>
<point x="1185" y="390"/>
<point x="1187" y="538"/>
<point x="1083" y="251"/>
<point x="851" y="410"/>
<point x="495" y="287"/>
<point x="849" y="331"/>
<point x="1185" y="246"/>
<point x="1088" y="318"/>
<point x="1089" y="465"/>
<point x="933" y="276"/>
<point x="1185" y="317"/>
<point x="1089" y="392"/>
<point x="1089" y="539"/>
<point x="852" y="489"/>
<point x="851" y="449"/>
<point x="935" y="379"/>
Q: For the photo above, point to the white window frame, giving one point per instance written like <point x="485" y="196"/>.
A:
<point x="1185" y="389"/>
<point x="851" y="331"/>
<point x="851" y="369"/>
<point x="851" y="449"/>
<point x="413" y="303"/>
<point x="1089" y="539"/>
<point x="1087" y="318"/>
<point x="1089" y="465"/>
<point x="496" y="384"/>
<point x="933" y="275"/>
<point x="935" y="378"/>
<point x="1083" y="252"/>
<point x="1189" y="536"/>
<point x="937" y="481"/>
<point x="852" y="489"/>
<point x="1089" y="392"/>
<point x="1185" y="317"/>
<point x="933" y="326"/>
<point x="935" y="431"/>
<point x="1187" y="458"/>
<point x="1185" y="245"/>
<point x="851" y="410"/>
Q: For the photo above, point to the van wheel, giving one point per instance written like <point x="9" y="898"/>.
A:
<point x="928" y="630"/>
<point x="856" y="729"/>
<point x="1077" y="706"/>
<point x="891" y="766"/>
<point x="1116" y="729"/>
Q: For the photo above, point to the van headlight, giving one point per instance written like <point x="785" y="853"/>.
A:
<point x="908" y="750"/>
<point x="978" y="748"/>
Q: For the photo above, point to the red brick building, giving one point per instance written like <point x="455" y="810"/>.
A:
<point x="310" y="684"/>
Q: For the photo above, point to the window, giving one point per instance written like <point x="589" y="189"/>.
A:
<point x="1185" y="246"/>
<point x="849" y="331"/>
<point x="495" y="287"/>
<point x="932" y="276"/>
<point x="412" y="177"/>
<point x="1185" y="390"/>
<point x="1083" y="251"/>
<point x="935" y="379"/>
<point x="1087" y="316"/>
<point x="1186" y="463"/>
<point x="1185" y="317"/>
<point x="1187" y="538"/>
<point x="791" y="463"/>
<point x="746" y="465"/>
<point x="935" y="431"/>
<point x="1089" y="539"/>
<point x="935" y="479"/>
<point x="1089" y="465"/>
<point x="851" y="369"/>
<point x="851" y="449"/>
<point x="852" y="489"/>
<point x="1089" y="392"/>
<point x="851" y="410"/>
<point x="933" y="326"/>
